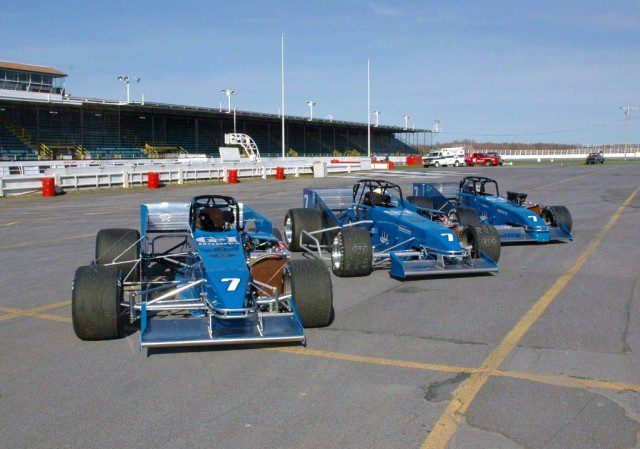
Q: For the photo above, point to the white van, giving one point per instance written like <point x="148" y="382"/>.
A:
<point x="444" y="156"/>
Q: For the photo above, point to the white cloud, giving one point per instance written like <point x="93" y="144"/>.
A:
<point x="385" y="10"/>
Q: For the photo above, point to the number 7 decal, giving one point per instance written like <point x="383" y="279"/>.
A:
<point x="233" y="283"/>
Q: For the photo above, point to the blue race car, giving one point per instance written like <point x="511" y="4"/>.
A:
<point x="479" y="200"/>
<point x="196" y="274"/>
<point x="372" y="225"/>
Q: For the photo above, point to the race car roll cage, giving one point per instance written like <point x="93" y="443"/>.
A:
<point x="166" y="220"/>
<point x="476" y="185"/>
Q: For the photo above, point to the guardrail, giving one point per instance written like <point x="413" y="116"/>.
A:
<point x="67" y="178"/>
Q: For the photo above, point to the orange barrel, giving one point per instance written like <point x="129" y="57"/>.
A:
<point x="153" y="180"/>
<point x="48" y="187"/>
<point x="280" y="173"/>
<point x="233" y="177"/>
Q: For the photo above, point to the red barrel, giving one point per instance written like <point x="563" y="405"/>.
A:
<point x="153" y="180"/>
<point x="48" y="187"/>
<point x="391" y="165"/>
<point x="233" y="177"/>
<point x="280" y="173"/>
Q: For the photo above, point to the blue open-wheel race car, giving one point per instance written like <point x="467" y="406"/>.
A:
<point x="209" y="272"/>
<point x="478" y="199"/>
<point x="372" y="225"/>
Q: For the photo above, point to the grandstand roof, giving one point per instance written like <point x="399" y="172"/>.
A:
<point x="31" y="68"/>
<point x="167" y="108"/>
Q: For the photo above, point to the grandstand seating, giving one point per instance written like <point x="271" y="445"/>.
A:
<point x="106" y="132"/>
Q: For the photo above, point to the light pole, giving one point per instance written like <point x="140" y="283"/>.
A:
<point x="282" y="93"/>
<point x="406" y="121"/>
<point x="125" y="80"/>
<point x="627" y="119"/>
<point x="228" y="93"/>
<point x="311" y="104"/>
<point x="377" y="114"/>
<point x="434" y="130"/>
<point x="369" y="108"/>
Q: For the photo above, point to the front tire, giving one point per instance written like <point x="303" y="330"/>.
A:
<point x="483" y="239"/>
<point x="456" y="164"/>
<point x="311" y="290"/>
<point x="298" y="220"/>
<point x="436" y="164"/>
<point x="95" y="302"/>
<point x="555" y="215"/>
<point x="488" y="163"/>
<point x="352" y="253"/>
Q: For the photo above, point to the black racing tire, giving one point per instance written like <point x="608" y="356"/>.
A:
<point x="96" y="295"/>
<point x="277" y="234"/>
<point x="484" y="239"/>
<point x="298" y="220"/>
<point x="456" y="163"/>
<point x="111" y="243"/>
<point x="465" y="216"/>
<point x="436" y="164"/>
<point x="421" y="201"/>
<point x="555" y="215"/>
<point x="352" y="253"/>
<point x="312" y="292"/>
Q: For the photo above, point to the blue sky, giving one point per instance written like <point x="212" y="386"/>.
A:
<point x="501" y="71"/>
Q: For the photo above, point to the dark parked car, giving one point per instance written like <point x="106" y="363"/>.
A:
<point x="595" y="158"/>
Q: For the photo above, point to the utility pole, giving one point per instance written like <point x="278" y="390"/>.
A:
<point x="282" y="106"/>
<point x="627" y="119"/>
<point x="228" y="93"/>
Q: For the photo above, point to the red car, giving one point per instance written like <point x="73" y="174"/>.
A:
<point x="481" y="159"/>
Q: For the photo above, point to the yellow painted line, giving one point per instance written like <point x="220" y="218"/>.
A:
<point x="105" y="212"/>
<point x="47" y="242"/>
<point x="11" y="223"/>
<point x="550" y="379"/>
<point x="467" y="391"/>
<point x="559" y="182"/>
<point x="52" y="306"/>
<point x="20" y="312"/>
<point x="374" y="360"/>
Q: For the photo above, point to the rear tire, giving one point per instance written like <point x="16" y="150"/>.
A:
<point x="555" y="215"/>
<point x="122" y="244"/>
<point x="488" y="163"/>
<point x="436" y="164"/>
<point x="312" y="292"/>
<point x="298" y="220"/>
<point x="456" y="164"/>
<point x="95" y="302"/>
<point x="465" y="216"/>
<point x="483" y="239"/>
<point x="352" y="253"/>
<point x="420" y="201"/>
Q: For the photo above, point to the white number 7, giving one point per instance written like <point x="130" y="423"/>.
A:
<point x="233" y="283"/>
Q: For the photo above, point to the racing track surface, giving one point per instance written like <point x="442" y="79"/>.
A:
<point x="543" y="355"/>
